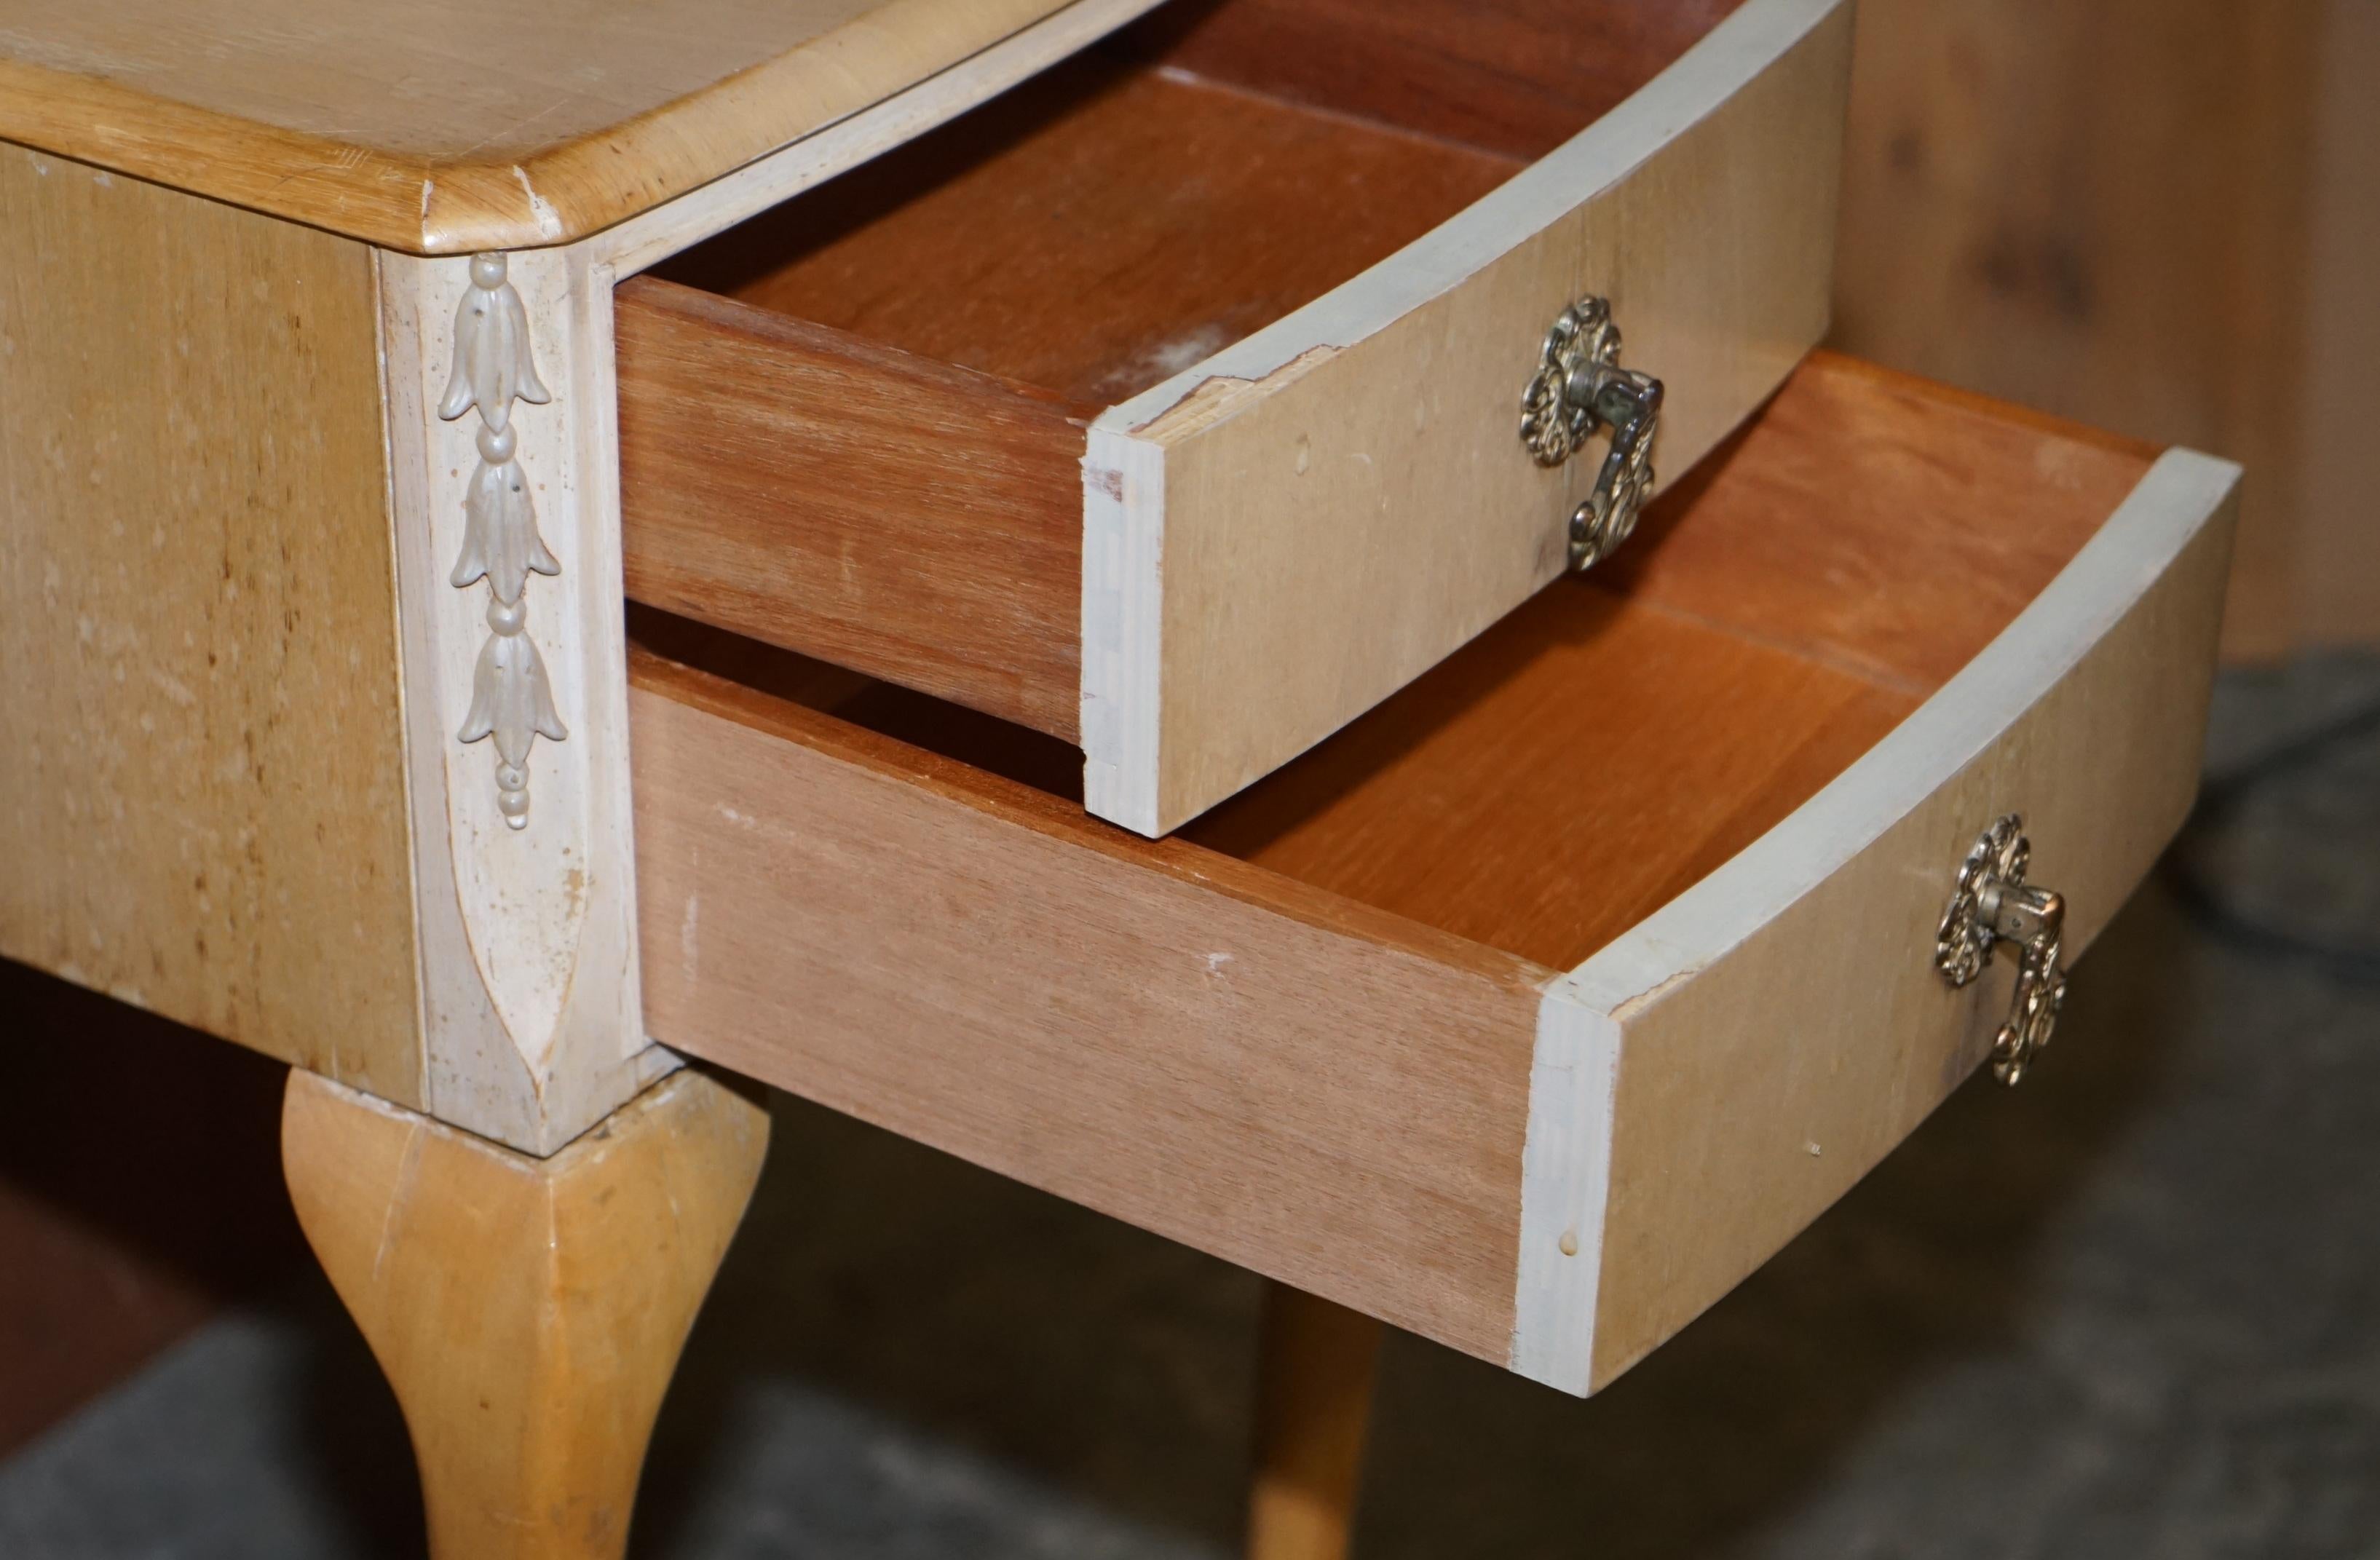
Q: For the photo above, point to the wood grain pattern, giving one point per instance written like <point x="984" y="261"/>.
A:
<point x="1149" y="1029"/>
<point x="1515" y="77"/>
<point x="451" y="126"/>
<point x="1095" y="232"/>
<point x="887" y="475"/>
<point x="527" y="1311"/>
<point x="894" y="514"/>
<point x="1948" y="514"/>
<point x="202" y="761"/>
<point x="637" y="243"/>
<point x="1651" y="720"/>
<point x="2036" y="206"/>
<point x="1566" y="775"/>
<point x="1349" y="478"/>
<point x="1734" y="691"/>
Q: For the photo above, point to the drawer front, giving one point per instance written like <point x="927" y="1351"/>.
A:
<point x="1715" y="1079"/>
<point x="1282" y="536"/>
<point x="1415" y="1025"/>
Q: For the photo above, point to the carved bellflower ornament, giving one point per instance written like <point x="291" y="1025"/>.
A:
<point x="491" y="360"/>
<point x="500" y="540"/>
<point x="511" y="699"/>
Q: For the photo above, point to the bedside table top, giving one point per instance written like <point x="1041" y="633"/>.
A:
<point x="442" y="127"/>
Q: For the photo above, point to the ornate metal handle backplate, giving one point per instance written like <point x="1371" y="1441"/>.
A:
<point x="1579" y="387"/>
<point x="1993" y="903"/>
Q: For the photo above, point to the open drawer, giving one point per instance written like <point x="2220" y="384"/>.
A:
<point x="1170" y="404"/>
<point x="1535" y="1009"/>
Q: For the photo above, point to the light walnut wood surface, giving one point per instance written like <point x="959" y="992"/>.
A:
<point x="452" y="127"/>
<point x="1849" y="594"/>
<point x="527" y="1311"/>
<point x="1621" y="736"/>
<point x="202" y="767"/>
<point x="1489" y="800"/>
<point x="637" y="243"/>
<point x="1293" y="1035"/>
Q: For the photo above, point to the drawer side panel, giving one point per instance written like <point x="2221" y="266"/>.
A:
<point x="992" y="978"/>
<point x="902" y="517"/>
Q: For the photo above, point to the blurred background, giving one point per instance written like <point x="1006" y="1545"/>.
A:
<point x="2159" y="216"/>
<point x="2133" y="1309"/>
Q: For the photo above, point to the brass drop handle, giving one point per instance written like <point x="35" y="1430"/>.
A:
<point x="1579" y="386"/>
<point x="1993" y="903"/>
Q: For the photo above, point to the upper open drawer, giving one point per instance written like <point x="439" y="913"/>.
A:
<point x="1170" y="404"/>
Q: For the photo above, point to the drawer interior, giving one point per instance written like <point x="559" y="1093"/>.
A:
<point x="902" y="361"/>
<point x="1598" y="751"/>
<point x="1096" y="230"/>
<point x="1118" y="219"/>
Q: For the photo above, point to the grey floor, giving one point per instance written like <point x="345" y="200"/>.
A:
<point x="2132" y="1308"/>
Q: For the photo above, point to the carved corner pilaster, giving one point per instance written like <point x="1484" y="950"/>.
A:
<point x="501" y="410"/>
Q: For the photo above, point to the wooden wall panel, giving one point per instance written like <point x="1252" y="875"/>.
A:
<point x="202" y="801"/>
<point x="2334" y="536"/>
<point x="2159" y="216"/>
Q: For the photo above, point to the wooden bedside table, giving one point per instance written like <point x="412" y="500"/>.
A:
<point x="1111" y="703"/>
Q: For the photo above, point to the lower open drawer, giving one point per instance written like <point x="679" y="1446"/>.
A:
<point x="1538" y="1007"/>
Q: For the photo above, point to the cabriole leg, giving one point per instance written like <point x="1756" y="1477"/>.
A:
<point x="527" y="1311"/>
<point x="1315" y="1367"/>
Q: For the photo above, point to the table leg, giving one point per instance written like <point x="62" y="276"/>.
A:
<point x="527" y="1311"/>
<point x="1317" y="1365"/>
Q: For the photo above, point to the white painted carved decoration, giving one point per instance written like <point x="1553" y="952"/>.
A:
<point x="511" y="699"/>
